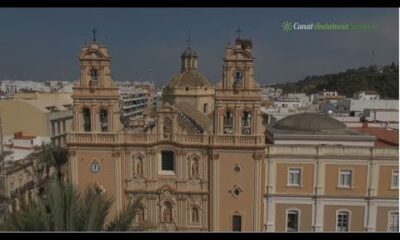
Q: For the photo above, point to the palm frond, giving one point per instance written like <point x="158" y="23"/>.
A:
<point x="124" y="221"/>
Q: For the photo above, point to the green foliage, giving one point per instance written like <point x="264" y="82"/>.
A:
<point x="51" y="156"/>
<point x="385" y="81"/>
<point x="63" y="208"/>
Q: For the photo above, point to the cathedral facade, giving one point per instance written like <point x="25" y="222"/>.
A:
<point x="199" y="159"/>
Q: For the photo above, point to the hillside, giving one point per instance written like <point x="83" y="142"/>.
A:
<point x="384" y="80"/>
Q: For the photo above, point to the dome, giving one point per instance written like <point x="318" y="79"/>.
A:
<point x="189" y="53"/>
<point x="192" y="78"/>
<point x="309" y="122"/>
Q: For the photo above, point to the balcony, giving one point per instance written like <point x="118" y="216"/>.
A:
<point x="183" y="139"/>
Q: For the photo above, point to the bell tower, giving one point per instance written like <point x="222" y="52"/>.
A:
<point x="236" y="168"/>
<point x="94" y="162"/>
<point x="96" y="99"/>
<point x="238" y="98"/>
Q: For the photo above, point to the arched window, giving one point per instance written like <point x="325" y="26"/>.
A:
<point x="167" y="212"/>
<point x="238" y="82"/>
<point x="104" y="120"/>
<point x="292" y="221"/>
<point x="246" y="122"/>
<point x="140" y="214"/>
<point x="86" y="120"/>
<point x="228" y="122"/>
<point x="238" y="76"/>
<point x="342" y="221"/>
<point x="94" y="74"/>
<point x="195" y="215"/>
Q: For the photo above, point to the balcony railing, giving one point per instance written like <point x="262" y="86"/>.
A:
<point x="184" y="139"/>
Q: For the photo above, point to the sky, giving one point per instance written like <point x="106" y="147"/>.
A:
<point x="44" y="43"/>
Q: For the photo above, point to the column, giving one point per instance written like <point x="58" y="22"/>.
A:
<point x="237" y="120"/>
<point x="270" y="215"/>
<point x="257" y="191"/>
<point x="204" y="212"/>
<point x="117" y="180"/>
<point x="319" y="221"/>
<point x="214" y="209"/>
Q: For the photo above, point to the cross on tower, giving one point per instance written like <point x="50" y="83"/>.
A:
<point x="188" y="41"/>
<point x="238" y="32"/>
<point x="94" y="34"/>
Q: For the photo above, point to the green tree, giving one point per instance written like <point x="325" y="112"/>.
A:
<point x="51" y="156"/>
<point x="64" y="208"/>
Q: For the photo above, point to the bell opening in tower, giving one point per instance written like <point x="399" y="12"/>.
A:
<point x="228" y="122"/>
<point x="86" y="120"/>
<point x="104" y="120"/>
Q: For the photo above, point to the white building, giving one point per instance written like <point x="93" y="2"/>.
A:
<point x="10" y="87"/>
<point x="382" y="115"/>
<point x="270" y="92"/>
<point x="366" y="95"/>
<point x="356" y="106"/>
<point x="134" y="102"/>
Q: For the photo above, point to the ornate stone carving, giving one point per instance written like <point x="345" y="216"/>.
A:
<point x="151" y="151"/>
<point x="180" y="152"/>
<point x="214" y="156"/>
<point x="236" y="191"/>
<point x="258" y="156"/>
<point x="116" y="154"/>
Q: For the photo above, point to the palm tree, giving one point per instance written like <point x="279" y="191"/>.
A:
<point x="63" y="208"/>
<point x="52" y="156"/>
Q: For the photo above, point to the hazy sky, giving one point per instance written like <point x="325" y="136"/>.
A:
<point x="44" y="44"/>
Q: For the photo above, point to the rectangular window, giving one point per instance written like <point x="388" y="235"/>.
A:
<point x="345" y="178"/>
<point x="394" y="222"/>
<point x="237" y="223"/>
<point x="342" y="222"/>
<point x="292" y="221"/>
<point x="294" y="176"/>
<point x="205" y="108"/>
<point x="167" y="161"/>
<point x="395" y="179"/>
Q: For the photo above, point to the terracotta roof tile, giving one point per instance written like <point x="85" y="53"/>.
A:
<point x="384" y="137"/>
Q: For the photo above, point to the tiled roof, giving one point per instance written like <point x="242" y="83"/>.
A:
<point x="384" y="137"/>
